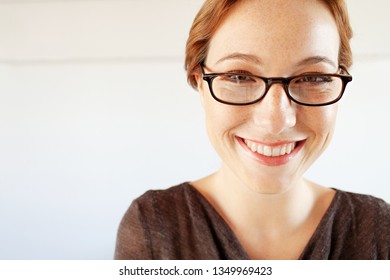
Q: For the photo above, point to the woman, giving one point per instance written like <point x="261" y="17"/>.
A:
<point x="268" y="132"/>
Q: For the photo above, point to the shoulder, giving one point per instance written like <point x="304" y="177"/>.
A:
<point x="176" y="223"/>
<point x="154" y="204"/>
<point x="169" y="193"/>
<point x="355" y="226"/>
<point x="364" y="220"/>
<point x="156" y="221"/>
<point x="365" y="205"/>
<point x="179" y="196"/>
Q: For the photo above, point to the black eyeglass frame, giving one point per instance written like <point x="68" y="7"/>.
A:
<point x="346" y="78"/>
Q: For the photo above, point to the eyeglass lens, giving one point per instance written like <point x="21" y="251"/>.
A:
<point x="309" y="89"/>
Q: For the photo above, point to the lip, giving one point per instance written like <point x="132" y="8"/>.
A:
<point x="272" y="161"/>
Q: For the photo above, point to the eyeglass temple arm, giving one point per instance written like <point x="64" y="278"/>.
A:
<point x="344" y="69"/>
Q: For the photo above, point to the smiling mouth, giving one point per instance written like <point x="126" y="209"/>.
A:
<point x="271" y="151"/>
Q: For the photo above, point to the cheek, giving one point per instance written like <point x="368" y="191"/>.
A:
<point x="221" y="119"/>
<point x="218" y="116"/>
<point x="321" y="120"/>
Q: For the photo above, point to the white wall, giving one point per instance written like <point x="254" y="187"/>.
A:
<point x="95" y="109"/>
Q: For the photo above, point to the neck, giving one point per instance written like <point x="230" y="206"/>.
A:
<point x="272" y="224"/>
<point x="273" y="204"/>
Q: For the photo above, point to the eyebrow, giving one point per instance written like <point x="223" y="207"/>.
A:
<point x="316" y="59"/>
<point x="255" y="59"/>
<point x="241" y="56"/>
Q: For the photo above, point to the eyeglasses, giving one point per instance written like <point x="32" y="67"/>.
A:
<point x="312" y="89"/>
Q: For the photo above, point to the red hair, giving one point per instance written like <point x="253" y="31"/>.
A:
<point x="212" y="13"/>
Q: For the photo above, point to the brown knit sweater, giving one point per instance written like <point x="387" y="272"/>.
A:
<point x="179" y="223"/>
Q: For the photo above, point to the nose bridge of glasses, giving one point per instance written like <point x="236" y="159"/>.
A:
<point x="282" y="81"/>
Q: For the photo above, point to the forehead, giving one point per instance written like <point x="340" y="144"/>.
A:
<point x="277" y="31"/>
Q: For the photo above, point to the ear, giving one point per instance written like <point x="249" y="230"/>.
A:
<point x="200" y="86"/>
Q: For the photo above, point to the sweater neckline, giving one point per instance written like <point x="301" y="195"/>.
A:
<point x="315" y="236"/>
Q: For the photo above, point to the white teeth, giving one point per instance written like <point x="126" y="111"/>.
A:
<point x="284" y="149"/>
<point x="270" y="151"/>
<point x="289" y="149"/>
<point x="267" y="151"/>
<point x="260" y="149"/>
<point x="276" y="152"/>
<point x="254" y="148"/>
<point x="251" y="145"/>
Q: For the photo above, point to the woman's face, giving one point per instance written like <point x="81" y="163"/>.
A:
<point x="271" y="38"/>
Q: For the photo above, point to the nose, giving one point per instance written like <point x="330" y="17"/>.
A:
<point x="275" y="113"/>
